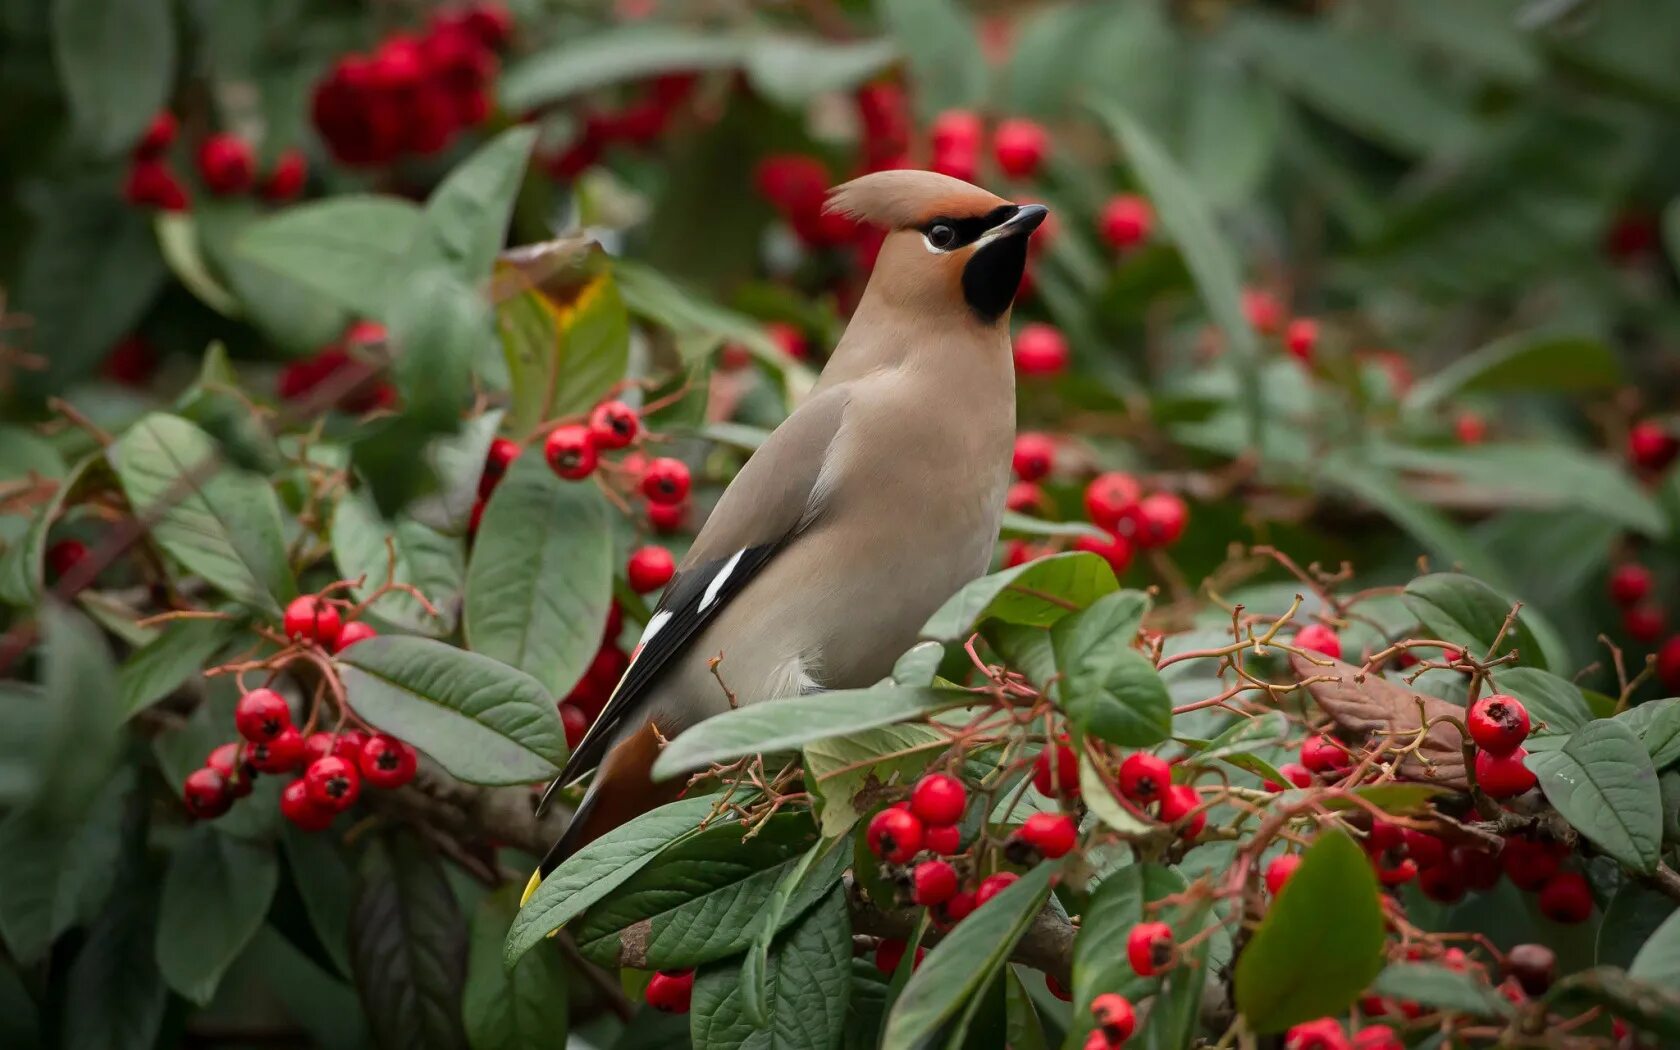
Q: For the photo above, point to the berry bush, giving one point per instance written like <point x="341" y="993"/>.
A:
<point x="368" y="367"/>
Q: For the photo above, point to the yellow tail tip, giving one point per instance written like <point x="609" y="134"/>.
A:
<point x="531" y="887"/>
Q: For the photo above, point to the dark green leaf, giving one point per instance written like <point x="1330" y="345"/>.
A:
<point x="220" y="522"/>
<point x="849" y="772"/>
<point x="215" y="894"/>
<point x="1658" y="962"/>
<point x="785" y="724"/>
<point x="321" y="874"/>
<point x="457" y="461"/>
<point x="1603" y="783"/>
<point x="965" y="962"/>
<point x="1232" y="131"/>
<point x="1037" y="594"/>
<point x="1526" y="361"/>
<point x="321" y="1005"/>
<point x="117" y="62"/>
<point x="1435" y="532"/>
<point x="426" y="559"/>
<point x="20" y="1018"/>
<point x="1108" y="688"/>
<point x="1025" y="1029"/>
<point x="467" y="215"/>
<point x="114" y="995"/>
<point x="1467" y="611"/>
<point x="1116" y="906"/>
<point x="217" y="404"/>
<point x="540" y="580"/>
<point x="439" y="326"/>
<point x="179" y="651"/>
<point x="55" y="874"/>
<point x="947" y="66"/>
<point x="519" y="1009"/>
<point x="1550" y="699"/>
<point x="353" y="249"/>
<point x="1644" y="1006"/>
<point x="482" y="720"/>
<point x="1657" y="725"/>
<point x="1320" y="943"/>
<point x="177" y="234"/>
<point x="80" y="738"/>
<point x="822" y="865"/>
<point x="408" y="943"/>
<point x="620" y="54"/>
<point x="1440" y="988"/>
<point x="792" y="70"/>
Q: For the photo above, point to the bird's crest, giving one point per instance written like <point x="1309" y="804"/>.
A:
<point x="904" y="198"/>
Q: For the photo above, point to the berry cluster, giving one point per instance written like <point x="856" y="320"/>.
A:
<point x="414" y="92"/>
<point x="580" y="706"/>
<point x="1113" y="1020"/>
<point x="1267" y="316"/>
<point x="301" y="378"/>
<point x="226" y="165"/>
<point x="1498" y="725"/>
<point x="639" y="122"/>
<point x="796" y="185"/>
<point x="1644" y="620"/>
<point x="1113" y="501"/>
<point x="1019" y="146"/>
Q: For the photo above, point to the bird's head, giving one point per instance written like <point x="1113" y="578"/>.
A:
<point x="949" y="245"/>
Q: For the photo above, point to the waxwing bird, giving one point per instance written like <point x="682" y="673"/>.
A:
<point x="869" y="506"/>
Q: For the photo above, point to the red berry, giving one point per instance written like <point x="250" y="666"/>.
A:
<point x="1442" y="882"/>
<point x="1115" y="1017"/>
<point x="287" y="179"/>
<point x="311" y="618"/>
<point x="666" y="518"/>
<point x="333" y="783"/>
<point x="1479" y="870"/>
<point x="1498" y="723"/>
<point x="386" y="762"/>
<point x="1301" y="338"/>
<point x="938" y="799"/>
<point x="159" y="136"/>
<point x="1279" y="871"/>
<point x="1650" y="445"/>
<point x="1112" y="548"/>
<point x="282" y="754"/>
<point x="992" y="885"/>
<point x="297" y="807"/>
<point x="64" y="556"/>
<point x="1024" y="497"/>
<point x="570" y="451"/>
<point x="1533" y="965"/>
<point x="1056" y="772"/>
<point x="1035" y="456"/>
<point x="1470" y="428"/>
<point x="1051" y="835"/>
<point x="261" y="715"/>
<point x="1527" y="863"/>
<point x="788" y="339"/>
<point x="1567" y="898"/>
<point x="650" y="568"/>
<point x="238" y="773"/>
<point x="226" y="164"/>
<point x="669" y="991"/>
<point x="1057" y="988"/>
<point x="894" y="835"/>
<point x="1161" y="520"/>
<point x="1149" y="948"/>
<point x="957" y="129"/>
<point x="1144" y="777"/>
<point x="1125" y="221"/>
<point x="1503" y="776"/>
<point x="1377" y="1037"/>
<point x="1295" y="773"/>
<point x="575" y="723"/>
<point x="1040" y="350"/>
<point x="1179" y="801"/>
<point x="1630" y="583"/>
<point x="944" y="839"/>
<point x="933" y="882"/>
<point x="890" y="952"/>
<point x="1320" y="754"/>
<point x="1317" y="638"/>
<point x="351" y="633"/>
<point x="1397" y="873"/>
<point x="206" y="794"/>
<point x="1643" y="623"/>
<point x="1668" y="664"/>
<point x="957" y="908"/>
<point x="1111" y="499"/>
<point x="1323" y="1034"/>
<point x="666" y="481"/>
<point x="1020" y="146"/>
<point x="614" y="424"/>
<point x="152" y="184"/>
<point x="500" y="457"/>
<point x="1423" y="847"/>
<point x="1263" y="310"/>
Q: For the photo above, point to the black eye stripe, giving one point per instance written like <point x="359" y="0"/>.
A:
<point x="968" y="230"/>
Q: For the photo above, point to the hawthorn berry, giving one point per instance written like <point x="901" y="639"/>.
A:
<point x="386" y="762"/>
<point x="261" y="715"/>
<point x="1533" y="965"/>
<point x="1112" y="548"/>
<point x="1527" y="863"/>
<point x="1498" y="723"/>
<point x="1179" y="801"/>
<point x="1442" y="882"/>
<point x="1650" y="445"/>
<point x="206" y="793"/>
<point x="502" y="453"/>
<point x="1057" y="988"/>
<point x="933" y="882"/>
<point x="153" y="184"/>
<point x="226" y="164"/>
<point x="159" y="135"/>
<point x="957" y="908"/>
<point x="311" y="618"/>
<point x="287" y="179"/>
<point x="1279" y="871"/>
<point x="1149" y="948"/>
<point x="1398" y="873"/>
<point x="1114" y="1016"/>
<point x="64" y="556"/>
<point x="1301" y="339"/>
<point x="570" y="451"/>
<point x="1034" y="456"/>
<point x="1320" y="754"/>
<point x="239" y="774"/>
<point x="1423" y="847"/>
<point x="667" y="518"/>
<point x="894" y="835"/>
<point x="1377" y="1037"/>
<point x="333" y="782"/>
<point x="957" y="129"/>
<point x="670" y="991"/>
<point x="943" y="839"/>
<point x="1566" y="898"/>
<point x="1668" y="663"/>
<point x="1643" y="623"/>
<point x="1161" y="520"/>
<point x="1630" y="584"/>
<point x="650" y="568"/>
<point x="574" y="722"/>
<point x="282" y="754"/>
<point x="1503" y="776"/>
<point x="1479" y="870"/>
<point x="938" y="799"/>
<point x="1264" y="312"/>
<point x="788" y="339"/>
<point x="1293" y="772"/>
<point x="666" y="480"/>
<point x="303" y="811"/>
<point x="1024" y="497"/>
<point x="1040" y="350"/>
<point x="1470" y="428"/>
<point x="1056" y="772"/>
<point x="992" y="885"/>
<point x="1317" y="638"/>
<point x="614" y="424"/>
<point x="1048" y="835"/>
<point x="351" y="633"/>
<point x="1125" y="221"/>
<point x="1144" y="777"/>
<point x="1323" y="1034"/>
<point x="1019" y="146"/>
<point x="890" y="952"/>
<point x="1111" y="499"/>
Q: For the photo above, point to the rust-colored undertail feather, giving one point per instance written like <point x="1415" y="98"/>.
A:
<point x="622" y="790"/>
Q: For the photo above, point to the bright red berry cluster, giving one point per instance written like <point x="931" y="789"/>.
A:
<point x="1114" y="1019"/>
<point x="1019" y="146"/>
<point x="414" y="92"/>
<point x="225" y="162"/>
<point x="300" y="379"/>
<point x="151" y="181"/>
<point x="638" y="122"/>
<point x="586" y="700"/>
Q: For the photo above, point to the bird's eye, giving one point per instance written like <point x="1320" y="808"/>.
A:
<point x="942" y="236"/>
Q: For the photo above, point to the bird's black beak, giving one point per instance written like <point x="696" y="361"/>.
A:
<point x="1026" y="219"/>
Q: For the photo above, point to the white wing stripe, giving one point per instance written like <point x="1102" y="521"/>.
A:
<point x="716" y="585"/>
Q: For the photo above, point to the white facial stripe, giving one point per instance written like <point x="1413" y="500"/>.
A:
<point x="716" y="586"/>
<point x="928" y="244"/>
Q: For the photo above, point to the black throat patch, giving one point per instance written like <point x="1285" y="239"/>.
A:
<point x="993" y="274"/>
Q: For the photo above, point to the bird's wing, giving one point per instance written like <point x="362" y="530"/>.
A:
<point x="775" y="495"/>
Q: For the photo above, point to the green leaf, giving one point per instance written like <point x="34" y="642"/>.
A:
<point x="426" y="559"/>
<point x="599" y="868"/>
<point x="699" y="900"/>
<point x="519" y="1009"/>
<point x="439" y="327"/>
<point x="1644" y="1006"/>
<point x="355" y="249"/>
<point x="1037" y="594"/>
<point x="1117" y="905"/>
<point x="457" y="461"/>
<point x="216" y="404"/>
<point x="540" y="580"/>
<point x="296" y="316"/>
<point x="1658" y="961"/>
<point x="177" y="234"/>
<point x="20" y="1018"/>
<point x="1524" y="361"/>
<point x="848" y="777"/>
<point x="1108" y="688"/>
<point x="620" y="54"/>
<point x="966" y="961"/>
<point x="1556" y="701"/>
<point x="1025" y="1029"/>
<point x="782" y="725"/>
<point x="467" y="215"/>
<point x="791" y="70"/>
<point x="215" y="894"/>
<point x="321" y="874"/>
<point x="947" y="66"/>
<point x="55" y="874"/>
<point x="159" y="667"/>
<point x="114" y="997"/>
<point x="1319" y="945"/>
<point x="1232" y="131"/>
<point x="1246" y="734"/>
<point x="1657" y="725"/>
<point x="1016" y="524"/>
<point x="80" y="731"/>
<point x="220" y="522"/>
<point x="408" y="943"/>
<point x="1461" y="609"/>
<point x="822" y="865"/>
<point x="1603" y="783"/>
<point x="23" y="563"/>
<point x="806" y="980"/>
<point x="117" y="62"/>
<point x="1439" y="988"/>
<point x="324" y="1007"/>
<point x="482" y="720"/>
<point x="1434" y="531"/>
<point x="563" y="355"/>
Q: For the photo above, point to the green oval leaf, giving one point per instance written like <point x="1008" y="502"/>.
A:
<point x="1524" y="361"/>
<point x="1603" y="783"/>
<point x="519" y="1009"/>
<point x="426" y="559"/>
<point x="1108" y="688"/>
<point x="1555" y="701"/>
<point x="467" y="215"/>
<point x="632" y="52"/>
<point x="1658" y="960"/>
<point x="479" y="718"/>
<point x="353" y="249"/>
<point x="215" y="894"/>
<point x="408" y="946"/>
<point x="117" y="62"/>
<point x="1036" y="594"/>
<point x="1465" y="610"/>
<point x="1441" y="988"/>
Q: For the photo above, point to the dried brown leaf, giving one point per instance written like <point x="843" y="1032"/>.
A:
<point x="1364" y="705"/>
